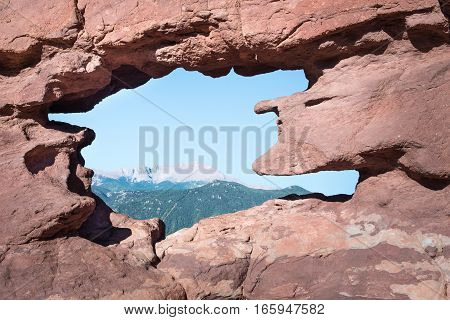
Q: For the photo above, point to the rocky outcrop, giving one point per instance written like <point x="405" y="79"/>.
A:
<point x="377" y="103"/>
<point x="372" y="246"/>
<point x="75" y="268"/>
<point x="135" y="239"/>
<point x="386" y="103"/>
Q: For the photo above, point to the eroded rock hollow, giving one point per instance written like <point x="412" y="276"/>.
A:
<point x="378" y="103"/>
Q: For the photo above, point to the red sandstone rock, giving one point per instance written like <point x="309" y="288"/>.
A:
<point x="386" y="105"/>
<point x="372" y="246"/>
<point x="378" y="103"/>
<point x="75" y="268"/>
<point x="135" y="239"/>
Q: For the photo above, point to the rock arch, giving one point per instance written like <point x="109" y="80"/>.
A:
<point x="377" y="102"/>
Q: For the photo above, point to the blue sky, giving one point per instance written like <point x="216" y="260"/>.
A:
<point x="194" y="100"/>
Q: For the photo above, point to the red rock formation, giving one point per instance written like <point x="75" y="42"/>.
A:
<point x="378" y="103"/>
<point x="375" y="245"/>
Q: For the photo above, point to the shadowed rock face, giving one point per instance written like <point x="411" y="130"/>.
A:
<point x="386" y="106"/>
<point x="377" y="102"/>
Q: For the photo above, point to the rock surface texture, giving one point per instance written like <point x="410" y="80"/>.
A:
<point x="378" y="102"/>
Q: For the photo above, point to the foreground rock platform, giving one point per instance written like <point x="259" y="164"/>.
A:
<point x="378" y="103"/>
<point x="372" y="246"/>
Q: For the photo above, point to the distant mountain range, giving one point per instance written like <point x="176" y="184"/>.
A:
<point x="147" y="179"/>
<point x="179" y="203"/>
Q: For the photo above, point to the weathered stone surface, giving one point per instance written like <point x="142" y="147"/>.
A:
<point x="75" y="268"/>
<point x="372" y="246"/>
<point x="377" y="102"/>
<point x="43" y="192"/>
<point x="135" y="239"/>
<point x="386" y="105"/>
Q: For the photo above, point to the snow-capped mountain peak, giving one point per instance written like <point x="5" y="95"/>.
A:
<point x="185" y="176"/>
<point x="130" y="174"/>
